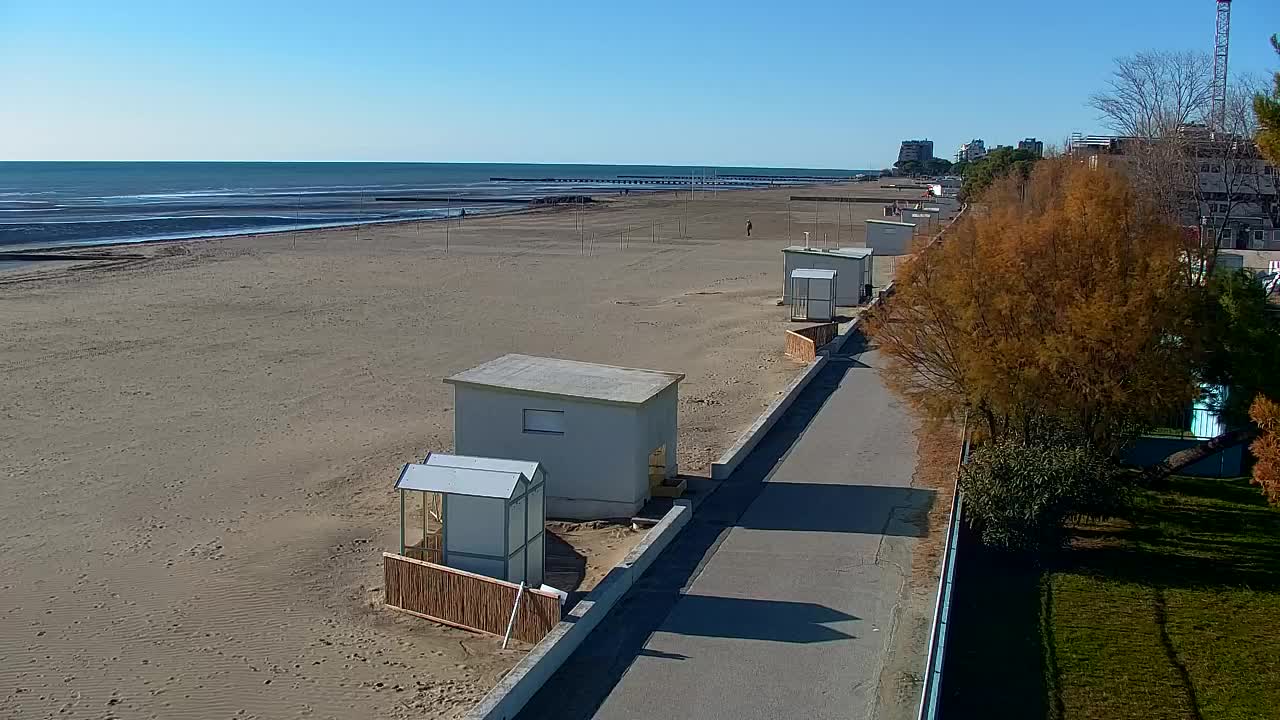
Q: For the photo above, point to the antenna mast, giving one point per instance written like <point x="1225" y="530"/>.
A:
<point x="1218" y="111"/>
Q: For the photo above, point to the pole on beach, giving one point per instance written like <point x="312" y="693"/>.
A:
<point x="684" y="226"/>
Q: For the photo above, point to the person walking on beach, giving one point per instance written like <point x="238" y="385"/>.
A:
<point x="748" y="227"/>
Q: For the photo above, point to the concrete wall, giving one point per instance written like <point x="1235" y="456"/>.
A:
<point x="658" y="423"/>
<point x="597" y="469"/>
<point x="851" y="274"/>
<point x="889" y="239"/>
<point x="1149" y="450"/>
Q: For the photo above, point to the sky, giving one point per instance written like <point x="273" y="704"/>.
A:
<point x="700" y="82"/>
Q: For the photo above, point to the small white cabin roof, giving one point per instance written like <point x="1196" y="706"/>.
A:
<point x="459" y="481"/>
<point x="893" y="222"/>
<point x="813" y="274"/>
<point x="568" y="379"/>
<point x="849" y="252"/>
<point x="528" y="468"/>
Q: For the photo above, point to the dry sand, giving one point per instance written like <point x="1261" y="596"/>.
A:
<point x="197" y="449"/>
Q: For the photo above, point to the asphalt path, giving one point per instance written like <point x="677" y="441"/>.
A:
<point x="778" y="599"/>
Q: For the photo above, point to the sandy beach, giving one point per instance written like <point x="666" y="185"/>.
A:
<point x="197" y="447"/>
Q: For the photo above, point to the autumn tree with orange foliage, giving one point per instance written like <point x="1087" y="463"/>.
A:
<point x="1265" y="412"/>
<point x="1061" y="302"/>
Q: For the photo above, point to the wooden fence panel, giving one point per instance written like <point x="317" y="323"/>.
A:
<point x="803" y="344"/>
<point x="800" y="347"/>
<point x="456" y="597"/>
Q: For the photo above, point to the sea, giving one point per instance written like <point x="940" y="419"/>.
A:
<point x="45" y="205"/>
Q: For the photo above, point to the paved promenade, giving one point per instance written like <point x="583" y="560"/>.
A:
<point x="778" y="599"/>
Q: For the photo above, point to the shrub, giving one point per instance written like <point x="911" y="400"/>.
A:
<point x="1266" y="449"/>
<point x="1019" y="496"/>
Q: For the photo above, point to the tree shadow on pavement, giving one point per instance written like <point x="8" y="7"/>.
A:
<point x="751" y="619"/>
<point x="819" y="507"/>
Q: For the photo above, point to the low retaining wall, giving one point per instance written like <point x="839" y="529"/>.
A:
<point x="514" y="690"/>
<point x="466" y="600"/>
<point x="751" y="437"/>
<point x="1151" y="449"/>
<point x="803" y="344"/>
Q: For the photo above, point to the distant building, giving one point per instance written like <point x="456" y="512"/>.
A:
<point x="915" y="151"/>
<point x="1238" y="194"/>
<point x="1035" y="146"/>
<point x="972" y="150"/>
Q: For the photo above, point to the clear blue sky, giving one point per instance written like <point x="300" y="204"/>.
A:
<point x="813" y="84"/>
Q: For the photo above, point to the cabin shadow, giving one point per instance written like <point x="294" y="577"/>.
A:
<point x="564" y="567"/>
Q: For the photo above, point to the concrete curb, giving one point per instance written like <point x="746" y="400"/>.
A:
<point x="509" y="696"/>
<point x="751" y="437"/>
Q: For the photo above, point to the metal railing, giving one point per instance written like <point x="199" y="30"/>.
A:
<point x="930" y="695"/>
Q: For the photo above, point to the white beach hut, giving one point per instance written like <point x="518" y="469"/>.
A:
<point x="886" y="237"/>
<point x="483" y="515"/>
<point x="813" y="294"/>
<point x="852" y="264"/>
<point x="605" y="435"/>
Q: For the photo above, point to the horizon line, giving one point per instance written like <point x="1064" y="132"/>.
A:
<point x="457" y="162"/>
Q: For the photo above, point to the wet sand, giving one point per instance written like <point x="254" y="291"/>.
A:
<point x="197" y="448"/>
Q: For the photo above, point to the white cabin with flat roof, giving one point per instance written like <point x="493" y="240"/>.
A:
<point x="886" y="237"/>
<point x="852" y="264"/>
<point x="604" y="435"/>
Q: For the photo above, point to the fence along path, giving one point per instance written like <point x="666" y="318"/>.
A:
<point x="466" y="600"/>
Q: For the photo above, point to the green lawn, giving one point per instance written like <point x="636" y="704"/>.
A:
<point x="1173" y="612"/>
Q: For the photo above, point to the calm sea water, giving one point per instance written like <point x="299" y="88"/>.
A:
<point x="52" y="204"/>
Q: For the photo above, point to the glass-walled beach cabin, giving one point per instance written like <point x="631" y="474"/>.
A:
<point x="481" y="515"/>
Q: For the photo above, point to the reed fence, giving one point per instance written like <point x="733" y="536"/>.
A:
<point x="803" y="344"/>
<point x="466" y="600"/>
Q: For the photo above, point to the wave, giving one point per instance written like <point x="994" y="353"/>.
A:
<point x="250" y="229"/>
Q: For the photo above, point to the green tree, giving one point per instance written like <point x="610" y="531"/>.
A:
<point x="938" y="166"/>
<point x="932" y="166"/>
<point x="908" y="167"/>
<point x="1236" y="341"/>
<point x="1267" y="108"/>
<point x="982" y="173"/>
